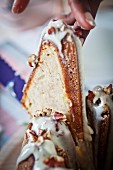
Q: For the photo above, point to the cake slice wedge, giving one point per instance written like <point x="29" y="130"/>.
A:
<point x="56" y="81"/>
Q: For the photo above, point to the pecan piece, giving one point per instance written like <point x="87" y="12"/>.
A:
<point x="54" y="161"/>
<point x="91" y="96"/>
<point x="108" y="89"/>
<point x="59" y="116"/>
<point x="51" y="30"/>
<point x="29" y="126"/>
<point x="32" y="60"/>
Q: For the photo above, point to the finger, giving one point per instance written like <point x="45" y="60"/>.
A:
<point x="81" y="12"/>
<point x="19" y="5"/>
<point x="94" y="7"/>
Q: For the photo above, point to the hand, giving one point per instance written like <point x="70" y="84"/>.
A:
<point x="81" y="17"/>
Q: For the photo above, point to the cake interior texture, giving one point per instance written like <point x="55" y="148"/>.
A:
<point x="47" y="88"/>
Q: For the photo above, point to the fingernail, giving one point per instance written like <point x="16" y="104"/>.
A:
<point x="17" y="8"/>
<point x="89" y="19"/>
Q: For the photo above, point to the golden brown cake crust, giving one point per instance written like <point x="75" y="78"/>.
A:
<point x="73" y="87"/>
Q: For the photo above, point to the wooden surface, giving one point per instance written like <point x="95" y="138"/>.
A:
<point x="10" y="152"/>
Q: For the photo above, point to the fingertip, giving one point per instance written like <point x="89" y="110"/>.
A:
<point x="86" y="21"/>
<point x="19" y="6"/>
<point x="16" y="9"/>
<point x="89" y="19"/>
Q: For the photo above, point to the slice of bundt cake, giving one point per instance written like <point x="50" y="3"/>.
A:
<point x="56" y="81"/>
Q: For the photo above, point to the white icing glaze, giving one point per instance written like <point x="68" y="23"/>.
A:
<point x="57" y="37"/>
<point x="97" y="113"/>
<point x="40" y="152"/>
<point x="104" y="98"/>
<point x="43" y="150"/>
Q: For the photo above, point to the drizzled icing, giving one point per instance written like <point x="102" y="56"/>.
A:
<point x="47" y="148"/>
<point x="40" y="152"/>
<point x="97" y="110"/>
<point x="56" y="37"/>
<point x="60" y="31"/>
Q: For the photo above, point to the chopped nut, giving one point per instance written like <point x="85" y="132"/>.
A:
<point x="51" y="30"/>
<point x="31" y="135"/>
<point x="40" y="140"/>
<point x="104" y="114"/>
<point x="47" y="135"/>
<point x="91" y="96"/>
<point x="32" y="60"/>
<point x="59" y="116"/>
<point x="60" y="151"/>
<point x="47" y="111"/>
<point x="54" y="161"/>
<point x="32" y="132"/>
<point x="40" y="113"/>
<point x="108" y="89"/>
<point x="29" y="126"/>
<point x="106" y="111"/>
<point x="43" y="131"/>
<point x="106" y="108"/>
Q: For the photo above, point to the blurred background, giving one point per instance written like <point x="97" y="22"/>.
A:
<point x="19" y="37"/>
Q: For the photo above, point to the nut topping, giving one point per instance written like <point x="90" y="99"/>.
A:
<point x="47" y="135"/>
<point x="40" y="140"/>
<point x="106" y="108"/>
<point x="54" y="161"/>
<point x="32" y="60"/>
<point x="60" y="152"/>
<point x="51" y="30"/>
<point x="29" y="126"/>
<point x="91" y="96"/>
<point x="59" y="116"/>
<point x="108" y="89"/>
<point x="31" y="135"/>
<point x="47" y="112"/>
